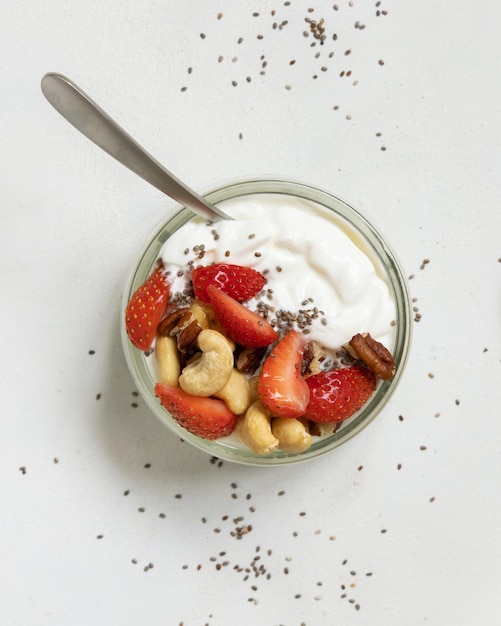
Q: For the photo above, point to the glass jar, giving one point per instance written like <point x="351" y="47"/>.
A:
<point x="364" y="234"/>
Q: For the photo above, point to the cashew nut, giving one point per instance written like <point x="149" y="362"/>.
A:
<point x="206" y="317"/>
<point x="168" y="360"/>
<point x="210" y="373"/>
<point x="291" y="434"/>
<point x="254" y="429"/>
<point x="201" y="314"/>
<point x="236" y="393"/>
<point x="253" y="383"/>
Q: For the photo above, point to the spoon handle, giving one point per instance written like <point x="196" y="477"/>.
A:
<point x="85" y="115"/>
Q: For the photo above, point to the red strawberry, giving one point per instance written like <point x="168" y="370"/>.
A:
<point x="336" y="395"/>
<point x="281" y="387"/>
<point x="208" y="418"/>
<point x="244" y="326"/>
<point x="146" y="308"/>
<point x="241" y="283"/>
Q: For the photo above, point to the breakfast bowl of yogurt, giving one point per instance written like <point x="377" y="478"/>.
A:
<point x="273" y="337"/>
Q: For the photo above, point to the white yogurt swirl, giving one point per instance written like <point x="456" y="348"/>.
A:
<point x="309" y="257"/>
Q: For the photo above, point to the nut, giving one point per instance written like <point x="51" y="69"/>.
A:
<point x="374" y="355"/>
<point x="168" y="360"/>
<point x="248" y="359"/>
<point x="327" y="428"/>
<point x="291" y="434"/>
<point x="175" y="321"/>
<point x="187" y="337"/>
<point x="210" y="373"/>
<point x="236" y="393"/>
<point x="314" y="356"/>
<point x="183" y="324"/>
<point x="201" y="313"/>
<point x="254" y="429"/>
<point x="253" y="386"/>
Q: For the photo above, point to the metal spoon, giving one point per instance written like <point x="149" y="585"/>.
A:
<point x="85" y="115"/>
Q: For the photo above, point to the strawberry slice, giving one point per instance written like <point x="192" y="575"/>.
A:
<point x="208" y="418"/>
<point x="146" y="308"/>
<point x="241" y="283"/>
<point x="281" y="387"/>
<point x="244" y="326"/>
<point x="336" y="395"/>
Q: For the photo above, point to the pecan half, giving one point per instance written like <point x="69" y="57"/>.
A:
<point x="175" y="321"/>
<point x="248" y="359"/>
<point x="182" y="324"/>
<point x="376" y="356"/>
<point x="187" y="337"/>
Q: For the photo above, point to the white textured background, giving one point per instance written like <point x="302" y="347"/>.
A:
<point x="428" y="79"/>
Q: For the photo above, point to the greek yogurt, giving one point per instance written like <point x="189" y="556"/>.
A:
<point x="313" y="261"/>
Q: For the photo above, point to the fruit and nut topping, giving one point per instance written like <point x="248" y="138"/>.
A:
<point x="226" y="369"/>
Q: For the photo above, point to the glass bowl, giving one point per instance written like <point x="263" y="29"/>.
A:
<point x="365" y="236"/>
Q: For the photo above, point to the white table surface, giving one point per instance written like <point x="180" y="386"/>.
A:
<point x="107" y="518"/>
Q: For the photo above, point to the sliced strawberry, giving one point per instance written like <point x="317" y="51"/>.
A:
<point x="336" y="395"/>
<point x="208" y="418"/>
<point x="146" y="308"/>
<point x="281" y="387"/>
<point x="244" y="326"/>
<point x="241" y="283"/>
